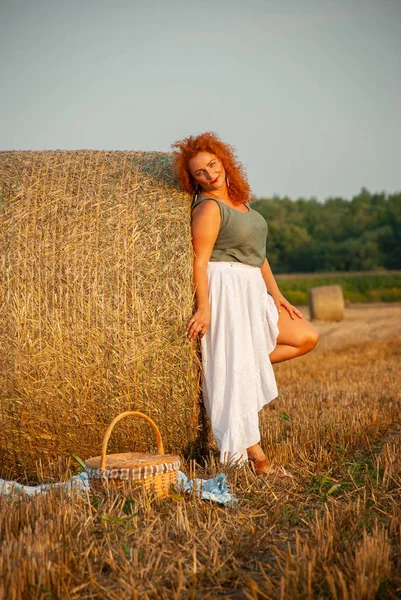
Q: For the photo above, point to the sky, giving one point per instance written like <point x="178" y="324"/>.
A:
<point x="307" y="91"/>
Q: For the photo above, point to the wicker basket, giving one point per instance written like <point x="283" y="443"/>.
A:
<point x="123" y="472"/>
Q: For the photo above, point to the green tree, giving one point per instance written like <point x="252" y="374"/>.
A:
<point x="359" y="234"/>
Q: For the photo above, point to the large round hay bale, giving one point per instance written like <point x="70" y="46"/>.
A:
<point x="326" y="303"/>
<point x="95" y="293"/>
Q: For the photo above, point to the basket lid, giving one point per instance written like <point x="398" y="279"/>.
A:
<point x="131" y="460"/>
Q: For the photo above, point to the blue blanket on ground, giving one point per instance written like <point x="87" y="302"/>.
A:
<point x="216" y="489"/>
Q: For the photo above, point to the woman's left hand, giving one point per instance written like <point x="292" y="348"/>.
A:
<point x="280" y="302"/>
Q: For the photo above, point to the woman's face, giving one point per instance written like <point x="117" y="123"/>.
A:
<point x="207" y="170"/>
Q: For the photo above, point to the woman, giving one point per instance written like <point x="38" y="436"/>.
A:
<point x="245" y="324"/>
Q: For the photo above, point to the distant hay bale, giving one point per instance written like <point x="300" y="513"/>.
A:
<point x="326" y="303"/>
<point x="95" y="293"/>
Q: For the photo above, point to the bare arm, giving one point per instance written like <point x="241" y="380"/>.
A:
<point x="275" y="293"/>
<point x="268" y="277"/>
<point x="205" y="229"/>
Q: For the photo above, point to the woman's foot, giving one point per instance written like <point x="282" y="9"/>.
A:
<point x="266" y="470"/>
<point x="261" y="465"/>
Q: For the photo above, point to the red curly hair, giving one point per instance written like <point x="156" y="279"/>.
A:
<point x="239" y="189"/>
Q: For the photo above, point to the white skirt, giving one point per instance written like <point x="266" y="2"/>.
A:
<point x="237" y="376"/>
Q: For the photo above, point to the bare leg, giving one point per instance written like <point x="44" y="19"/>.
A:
<point x="255" y="452"/>
<point x="296" y="337"/>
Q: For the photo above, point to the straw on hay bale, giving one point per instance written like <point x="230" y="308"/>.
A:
<point x="326" y="303"/>
<point x="95" y="292"/>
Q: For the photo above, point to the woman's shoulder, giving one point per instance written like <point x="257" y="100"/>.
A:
<point x="206" y="201"/>
<point x="207" y="209"/>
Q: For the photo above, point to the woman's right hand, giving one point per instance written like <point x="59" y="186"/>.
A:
<point x="199" y="324"/>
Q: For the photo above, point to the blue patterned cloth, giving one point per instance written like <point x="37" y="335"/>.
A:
<point x="78" y="482"/>
<point x="215" y="489"/>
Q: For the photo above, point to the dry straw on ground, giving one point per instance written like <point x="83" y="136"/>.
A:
<point x="95" y="292"/>
<point x="332" y="532"/>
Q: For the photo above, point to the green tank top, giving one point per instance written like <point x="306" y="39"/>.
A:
<point x="242" y="236"/>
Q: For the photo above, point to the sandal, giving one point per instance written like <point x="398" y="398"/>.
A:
<point x="266" y="470"/>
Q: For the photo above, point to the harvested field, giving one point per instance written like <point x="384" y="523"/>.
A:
<point x="362" y="323"/>
<point x="333" y="531"/>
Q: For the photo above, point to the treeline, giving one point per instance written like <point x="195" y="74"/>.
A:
<point x="336" y="235"/>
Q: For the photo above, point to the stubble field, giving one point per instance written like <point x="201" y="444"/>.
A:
<point x="331" y="531"/>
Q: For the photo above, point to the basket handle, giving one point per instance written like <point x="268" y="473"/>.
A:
<point x="129" y="413"/>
